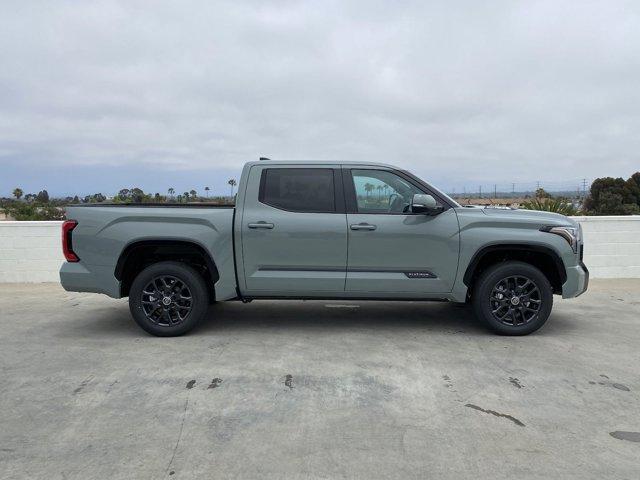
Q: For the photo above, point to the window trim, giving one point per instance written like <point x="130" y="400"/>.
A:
<point x="338" y="193"/>
<point x="351" y="202"/>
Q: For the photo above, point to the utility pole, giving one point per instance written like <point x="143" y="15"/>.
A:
<point x="495" y="191"/>
<point x="513" y="188"/>
<point x="480" y="190"/>
<point x="537" y="184"/>
<point x="584" y="188"/>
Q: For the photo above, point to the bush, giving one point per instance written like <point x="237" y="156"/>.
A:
<point x="32" y="211"/>
<point x="556" y="205"/>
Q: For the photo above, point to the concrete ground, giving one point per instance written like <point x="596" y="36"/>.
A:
<point x="318" y="390"/>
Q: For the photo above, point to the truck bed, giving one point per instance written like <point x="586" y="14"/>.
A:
<point x="104" y="232"/>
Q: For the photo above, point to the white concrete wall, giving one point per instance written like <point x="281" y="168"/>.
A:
<point x="612" y="246"/>
<point x="32" y="251"/>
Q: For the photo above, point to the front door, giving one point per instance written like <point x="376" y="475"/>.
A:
<point x="294" y="232"/>
<point x="391" y="250"/>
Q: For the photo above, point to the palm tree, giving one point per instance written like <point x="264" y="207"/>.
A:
<point x="368" y="187"/>
<point x="186" y="196"/>
<point x="171" y="191"/>
<point x="206" y="189"/>
<point x="379" y="188"/>
<point x="194" y="194"/>
<point x="17" y="192"/>
<point x="233" y="183"/>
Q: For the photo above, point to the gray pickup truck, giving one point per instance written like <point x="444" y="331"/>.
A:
<point x="324" y="230"/>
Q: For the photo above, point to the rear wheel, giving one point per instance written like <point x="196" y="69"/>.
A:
<point x="168" y="299"/>
<point x="513" y="298"/>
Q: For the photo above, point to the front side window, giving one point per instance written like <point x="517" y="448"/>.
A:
<point x="381" y="191"/>
<point x="299" y="189"/>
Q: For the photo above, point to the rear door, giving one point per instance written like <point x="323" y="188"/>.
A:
<point x="392" y="251"/>
<point x="294" y="232"/>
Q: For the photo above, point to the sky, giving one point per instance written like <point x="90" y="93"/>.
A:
<point x="100" y="95"/>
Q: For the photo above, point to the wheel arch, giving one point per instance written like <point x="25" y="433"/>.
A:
<point x="139" y="254"/>
<point x="542" y="257"/>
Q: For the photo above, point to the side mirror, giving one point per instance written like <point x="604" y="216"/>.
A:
<point x="422" y="203"/>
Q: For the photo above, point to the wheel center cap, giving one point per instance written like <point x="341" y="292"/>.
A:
<point x="166" y="301"/>
<point x="515" y="300"/>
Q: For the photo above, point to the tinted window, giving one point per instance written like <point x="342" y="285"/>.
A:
<point x="380" y="191"/>
<point x="299" y="189"/>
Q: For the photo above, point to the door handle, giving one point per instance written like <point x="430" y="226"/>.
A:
<point x="261" y="225"/>
<point x="362" y="226"/>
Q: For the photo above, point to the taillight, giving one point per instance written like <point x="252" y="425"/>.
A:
<point x="67" y="247"/>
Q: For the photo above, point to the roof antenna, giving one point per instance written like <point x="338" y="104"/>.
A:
<point x="264" y="158"/>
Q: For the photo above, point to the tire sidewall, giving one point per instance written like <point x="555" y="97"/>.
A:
<point x="186" y="274"/>
<point x="488" y="280"/>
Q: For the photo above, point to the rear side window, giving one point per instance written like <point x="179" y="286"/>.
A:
<point x="299" y="189"/>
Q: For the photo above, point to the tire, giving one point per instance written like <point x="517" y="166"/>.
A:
<point x="513" y="298"/>
<point x="182" y="285"/>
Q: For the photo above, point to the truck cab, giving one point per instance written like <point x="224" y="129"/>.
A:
<point x="343" y="230"/>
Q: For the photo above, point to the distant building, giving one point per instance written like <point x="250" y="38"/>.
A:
<point x="492" y="202"/>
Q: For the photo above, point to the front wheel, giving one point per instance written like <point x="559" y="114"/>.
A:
<point x="513" y="298"/>
<point x="168" y="299"/>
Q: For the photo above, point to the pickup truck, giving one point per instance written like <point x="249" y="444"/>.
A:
<point x="324" y="230"/>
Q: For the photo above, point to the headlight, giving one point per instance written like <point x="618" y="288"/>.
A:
<point x="570" y="234"/>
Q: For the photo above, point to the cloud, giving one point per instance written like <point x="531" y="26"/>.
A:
<point x="459" y="93"/>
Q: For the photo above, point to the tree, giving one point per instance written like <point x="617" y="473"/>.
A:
<point x="194" y="194"/>
<point x="379" y="188"/>
<point x="186" y="196"/>
<point x="171" y="191"/>
<point x="233" y="183"/>
<point x="137" y="195"/>
<point x="30" y="197"/>
<point x="17" y="192"/>
<point x="42" y="197"/>
<point x="206" y="189"/>
<point x="614" y="196"/>
<point x="633" y="185"/>
<point x="368" y="187"/>
<point x="542" y="193"/>
<point x="123" y="194"/>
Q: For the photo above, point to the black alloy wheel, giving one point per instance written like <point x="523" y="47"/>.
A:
<point x="168" y="298"/>
<point x="515" y="300"/>
<point x="512" y="298"/>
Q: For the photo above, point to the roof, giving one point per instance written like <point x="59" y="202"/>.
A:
<point x="322" y="162"/>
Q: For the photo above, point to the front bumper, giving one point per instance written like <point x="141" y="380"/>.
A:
<point x="577" y="281"/>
